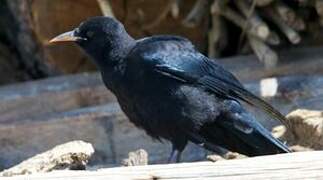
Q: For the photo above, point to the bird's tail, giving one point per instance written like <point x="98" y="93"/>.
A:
<point x="237" y="130"/>
<point x="260" y="140"/>
<point x="277" y="145"/>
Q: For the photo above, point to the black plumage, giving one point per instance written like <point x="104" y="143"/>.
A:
<point x="173" y="92"/>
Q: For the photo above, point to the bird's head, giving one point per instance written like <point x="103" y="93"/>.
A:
<point x="103" y="38"/>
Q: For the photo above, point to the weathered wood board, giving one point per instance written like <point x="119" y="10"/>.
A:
<point x="296" y="61"/>
<point x="49" y="96"/>
<point x="301" y="165"/>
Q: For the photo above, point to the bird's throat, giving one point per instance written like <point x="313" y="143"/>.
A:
<point x="113" y="54"/>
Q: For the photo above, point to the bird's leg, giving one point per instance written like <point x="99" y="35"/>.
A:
<point x="178" y="145"/>
<point x="175" y="156"/>
<point x="199" y="140"/>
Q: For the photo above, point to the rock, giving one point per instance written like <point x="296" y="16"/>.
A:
<point x="305" y="129"/>
<point x="234" y="155"/>
<point x="279" y="131"/>
<point x="298" y="148"/>
<point x="136" y="158"/>
<point x="72" y="155"/>
<point x="214" y="158"/>
<point x="228" y="156"/>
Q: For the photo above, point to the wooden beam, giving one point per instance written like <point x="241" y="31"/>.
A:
<point x="301" y="165"/>
<point x="300" y="61"/>
<point x="52" y="95"/>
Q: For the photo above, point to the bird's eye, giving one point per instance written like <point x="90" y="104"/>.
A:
<point x="89" y="34"/>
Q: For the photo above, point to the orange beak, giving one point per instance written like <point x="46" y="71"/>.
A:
<point x="66" y="37"/>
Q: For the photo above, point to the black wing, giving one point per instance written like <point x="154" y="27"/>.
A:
<point x="223" y="87"/>
<point x="176" y="58"/>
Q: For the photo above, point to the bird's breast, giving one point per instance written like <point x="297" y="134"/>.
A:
<point x="164" y="110"/>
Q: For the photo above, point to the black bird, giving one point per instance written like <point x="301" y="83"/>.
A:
<point x="173" y="92"/>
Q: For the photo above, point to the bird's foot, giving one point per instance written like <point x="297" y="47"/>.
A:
<point x="174" y="157"/>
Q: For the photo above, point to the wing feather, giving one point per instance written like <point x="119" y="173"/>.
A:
<point x="176" y="58"/>
<point x="223" y="88"/>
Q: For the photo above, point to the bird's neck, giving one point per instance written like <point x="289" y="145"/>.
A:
<point x="119" y="51"/>
<point x="114" y="65"/>
<point x="107" y="55"/>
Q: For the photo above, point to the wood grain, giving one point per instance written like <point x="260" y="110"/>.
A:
<point x="301" y="165"/>
<point x="53" y="95"/>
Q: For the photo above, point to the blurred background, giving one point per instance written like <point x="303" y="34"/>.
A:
<point x="219" y="29"/>
<point x="52" y="94"/>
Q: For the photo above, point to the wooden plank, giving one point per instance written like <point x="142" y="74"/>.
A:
<point x="301" y="165"/>
<point x="52" y="95"/>
<point x="297" y="61"/>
